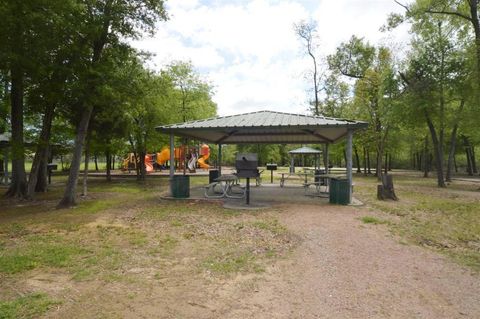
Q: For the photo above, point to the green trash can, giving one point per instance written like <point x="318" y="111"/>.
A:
<point x="180" y="186"/>
<point x="339" y="191"/>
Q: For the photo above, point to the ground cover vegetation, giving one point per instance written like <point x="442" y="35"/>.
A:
<point x="123" y="244"/>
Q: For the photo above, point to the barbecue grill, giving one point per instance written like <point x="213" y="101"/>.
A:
<point x="246" y="165"/>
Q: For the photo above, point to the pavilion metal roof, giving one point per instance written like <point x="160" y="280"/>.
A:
<point x="265" y="127"/>
<point x="305" y="150"/>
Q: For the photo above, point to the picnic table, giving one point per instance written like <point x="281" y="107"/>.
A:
<point x="225" y="186"/>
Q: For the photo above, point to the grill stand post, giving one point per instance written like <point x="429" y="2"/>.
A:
<point x="247" y="191"/>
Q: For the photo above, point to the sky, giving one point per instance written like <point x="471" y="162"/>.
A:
<point x="248" y="50"/>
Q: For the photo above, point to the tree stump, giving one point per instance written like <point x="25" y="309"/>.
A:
<point x="385" y="190"/>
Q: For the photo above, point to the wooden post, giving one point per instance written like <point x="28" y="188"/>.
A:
<point x="349" y="163"/>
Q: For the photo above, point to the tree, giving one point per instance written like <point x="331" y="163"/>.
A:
<point x="307" y="32"/>
<point x="376" y="87"/>
<point x="436" y="82"/>
<point x="105" y="23"/>
<point x="459" y="12"/>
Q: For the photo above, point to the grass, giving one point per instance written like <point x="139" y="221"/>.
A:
<point x="225" y="264"/>
<point x="372" y="220"/>
<point x="445" y="220"/>
<point x="28" y="306"/>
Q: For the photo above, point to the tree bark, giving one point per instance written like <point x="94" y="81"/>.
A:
<point x="109" y="164"/>
<point x="451" y="153"/>
<point x="368" y="162"/>
<point x="364" y="161"/>
<point x="42" y="150"/>
<point x="85" y="170"/>
<point x="42" y="178"/>
<point x="357" y="158"/>
<point x="386" y="164"/>
<point x="425" y="158"/>
<point x="453" y="143"/>
<point x="438" y="150"/>
<point x="69" y="195"/>
<point x="474" y="162"/>
<point x="18" y="187"/>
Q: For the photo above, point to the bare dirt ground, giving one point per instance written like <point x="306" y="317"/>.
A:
<point x="344" y="269"/>
<point x="341" y="268"/>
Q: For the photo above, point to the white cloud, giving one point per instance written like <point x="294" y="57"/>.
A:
<point x="248" y="49"/>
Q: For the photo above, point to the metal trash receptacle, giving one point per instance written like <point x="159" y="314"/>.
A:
<point x="339" y="191"/>
<point x="180" y="186"/>
<point x="213" y="175"/>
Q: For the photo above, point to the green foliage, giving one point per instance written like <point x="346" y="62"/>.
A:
<point x="28" y="306"/>
<point x="372" y="220"/>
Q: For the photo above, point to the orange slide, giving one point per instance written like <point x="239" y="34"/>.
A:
<point x="205" y="152"/>
<point x="163" y="156"/>
<point x="148" y="164"/>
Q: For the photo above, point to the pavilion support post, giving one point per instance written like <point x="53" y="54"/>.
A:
<point x="326" y="159"/>
<point x="220" y="159"/>
<point x="172" y="160"/>
<point x="349" y="163"/>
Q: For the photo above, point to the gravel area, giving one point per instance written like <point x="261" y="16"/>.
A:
<point x="346" y="269"/>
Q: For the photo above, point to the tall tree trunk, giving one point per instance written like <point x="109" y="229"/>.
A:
<point x="18" y="187"/>
<point x="453" y="143"/>
<point x="378" y="166"/>
<point x="69" y="196"/>
<point x="455" y="163"/>
<point x="42" y="149"/>
<point x="359" y="170"/>
<point x="143" y="171"/>
<point x="469" y="162"/>
<point x="109" y="163"/>
<point x="386" y="164"/>
<point x="451" y="153"/>
<point x="85" y="169"/>
<point x="425" y="158"/>
<point x="474" y="162"/>
<point x="368" y="162"/>
<point x="390" y="162"/>
<point x="364" y="161"/>
<point x="438" y="150"/>
<point x="95" y="159"/>
<point x="42" y="178"/>
<point x="113" y="161"/>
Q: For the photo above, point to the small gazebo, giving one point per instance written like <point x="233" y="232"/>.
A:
<point x="304" y="150"/>
<point x="267" y="127"/>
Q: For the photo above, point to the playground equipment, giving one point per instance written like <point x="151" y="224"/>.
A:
<point x="163" y="156"/>
<point x="129" y="163"/>
<point x="184" y="157"/>
<point x="205" y="153"/>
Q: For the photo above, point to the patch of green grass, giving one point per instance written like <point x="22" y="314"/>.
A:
<point x="96" y="206"/>
<point x="233" y="263"/>
<point x="372" y="220"/>
<point x="29" y="306"/>
<point x="445" y="220"/>
<point x="37" y="251"/>
<point x="270" y="225"/>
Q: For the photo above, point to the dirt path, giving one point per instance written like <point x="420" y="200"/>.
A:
<point x="345" y="269"/>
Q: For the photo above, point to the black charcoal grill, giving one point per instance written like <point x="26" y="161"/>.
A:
<point x="246" y="165"/>
<point x="271" y="167"/>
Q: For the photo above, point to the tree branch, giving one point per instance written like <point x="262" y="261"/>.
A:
<point x="454" y="13"/>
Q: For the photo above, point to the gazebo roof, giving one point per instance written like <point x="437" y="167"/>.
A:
<point x="305" y="150"/>
<point x="265" y="127"/>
